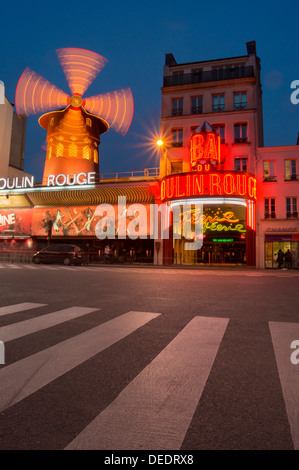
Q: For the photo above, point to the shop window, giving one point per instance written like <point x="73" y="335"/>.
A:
<point x="218" y="103"/>
<point x="86" y="152"/>
<point x="241" y="164"/>
<point x="73" y="150"/>
<point x="177" y="137"/>
<point x="220" y="129"/>
<point x="240" y="133"/>
<point x="196" y="104"/>
<point x="269" y="205"/>
<point x="177" y="106"/>
<point x="291" y="207"/>
<point x="240" y="100"/>
<point x="269" y="170"/>
<point x="59" y="152"/>
<point x="290" y="170"/>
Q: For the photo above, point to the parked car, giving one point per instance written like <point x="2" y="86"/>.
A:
<point x="66" y="254"/>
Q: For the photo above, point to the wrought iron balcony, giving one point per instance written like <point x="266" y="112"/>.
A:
<point x="209" y="76"/>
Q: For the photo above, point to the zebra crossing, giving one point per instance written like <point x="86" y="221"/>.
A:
<point x="154" y="410"/>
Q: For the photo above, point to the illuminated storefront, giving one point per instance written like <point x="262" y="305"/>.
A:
<point x="212" y="205"/>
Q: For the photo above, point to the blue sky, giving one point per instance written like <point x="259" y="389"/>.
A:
<point x="134" y="36"/>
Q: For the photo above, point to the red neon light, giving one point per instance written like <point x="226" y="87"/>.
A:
<point x="205" y="148"/>
<point x="208" y="184"/>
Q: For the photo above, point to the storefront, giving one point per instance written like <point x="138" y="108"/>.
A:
<point x="214" y="212"/>
<point x="285" y="242"/>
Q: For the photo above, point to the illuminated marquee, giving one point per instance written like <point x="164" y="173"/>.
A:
<point x="212" y="184"/>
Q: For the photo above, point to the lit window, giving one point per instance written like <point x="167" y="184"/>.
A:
<point x="177" y="106"/>
<point x="52" y="122"/>
<point x="290" y="170"/>
<point x="241" y="164"/>
<point x="88" y="122"/>
<point x="291" y="207"/>
<point x="196" y="104"/>
<point x="220" y="129"/>
<point x="60" y="137"/>
<point x="177" y="137"/>
<point x="240" y="133"/>
<point x="50" y="152"/>
<point x="95" y="156"/>
<point x="73" y="150"/>
<point x="86" y="152"/>
<point x="59" y="152"/>
<point x="269" y="208"/>
<point x="269" y="170"/>
<point x="240" y="100"/>
<point x="218" y="102"/>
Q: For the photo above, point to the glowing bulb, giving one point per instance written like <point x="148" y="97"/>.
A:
<point x="160" y="142"/>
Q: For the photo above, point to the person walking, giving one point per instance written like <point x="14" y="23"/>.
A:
<point x="288" y="259"/>
<point x="280" y="257"/>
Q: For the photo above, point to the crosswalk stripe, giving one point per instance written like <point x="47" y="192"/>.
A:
<point x="21" y="379"/>
<point x="155" y="410"/>
<point x="283" y="334"/>
<point x="50" y="268"/>
<point x="14" y="266"/>
<point x="29" y="266"/>
<point x="26" y="327"/>
<point x="18" y="308"/>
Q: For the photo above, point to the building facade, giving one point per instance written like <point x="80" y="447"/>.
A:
<point x="277" y="209"/>
<point x="225" y="97"/>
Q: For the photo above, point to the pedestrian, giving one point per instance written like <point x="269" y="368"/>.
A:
<point x="288" y="259"/>
<point x="280" y="257"/>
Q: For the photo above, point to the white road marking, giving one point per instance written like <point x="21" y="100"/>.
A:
<point x="21" y="379"/>
<point x="18" y="308"/>
<point x="283" y="334"/>
<point x="26" y="327"/>
<point x="155" y="410"/>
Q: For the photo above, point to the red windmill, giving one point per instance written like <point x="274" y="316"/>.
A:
<point x="74" y="128"/>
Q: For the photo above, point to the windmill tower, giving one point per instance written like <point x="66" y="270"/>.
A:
<point x="73" y="123"/>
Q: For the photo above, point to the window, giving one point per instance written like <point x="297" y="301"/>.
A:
<point x="220" y="129"/>
<point x="176" y="166"/>
<point x="95" y="156"/>
<point x="241" y="164"/>
<point x="270" y="208"/>
<point x="196" y="104"/>
<point x="73" y="150"/>
<point x="178" y="78"/>
<point x="88" y="122"/>
<point x="177" y="106"/>
<point x="240" y="132"/>
<point x="86" y="152"/>
<point x="269" y="167"/>
<point x="291" y="207"/>
<point x="290" y="170"/>
<point x="177" y="137"/>
<point x="218" y="102"/>
<point x="59" y="152"/>
<point x="240" y="100"/>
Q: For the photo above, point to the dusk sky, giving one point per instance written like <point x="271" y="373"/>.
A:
<point x="134" y="37"/>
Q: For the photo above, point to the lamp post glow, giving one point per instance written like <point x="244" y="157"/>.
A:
<point x="160" y="142"/>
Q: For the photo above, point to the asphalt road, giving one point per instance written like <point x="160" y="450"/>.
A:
<point x="148" y="358"/>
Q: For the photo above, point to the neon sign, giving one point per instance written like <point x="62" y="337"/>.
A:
<point x="205" y="147"/>
<point x="212" y="184"/>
